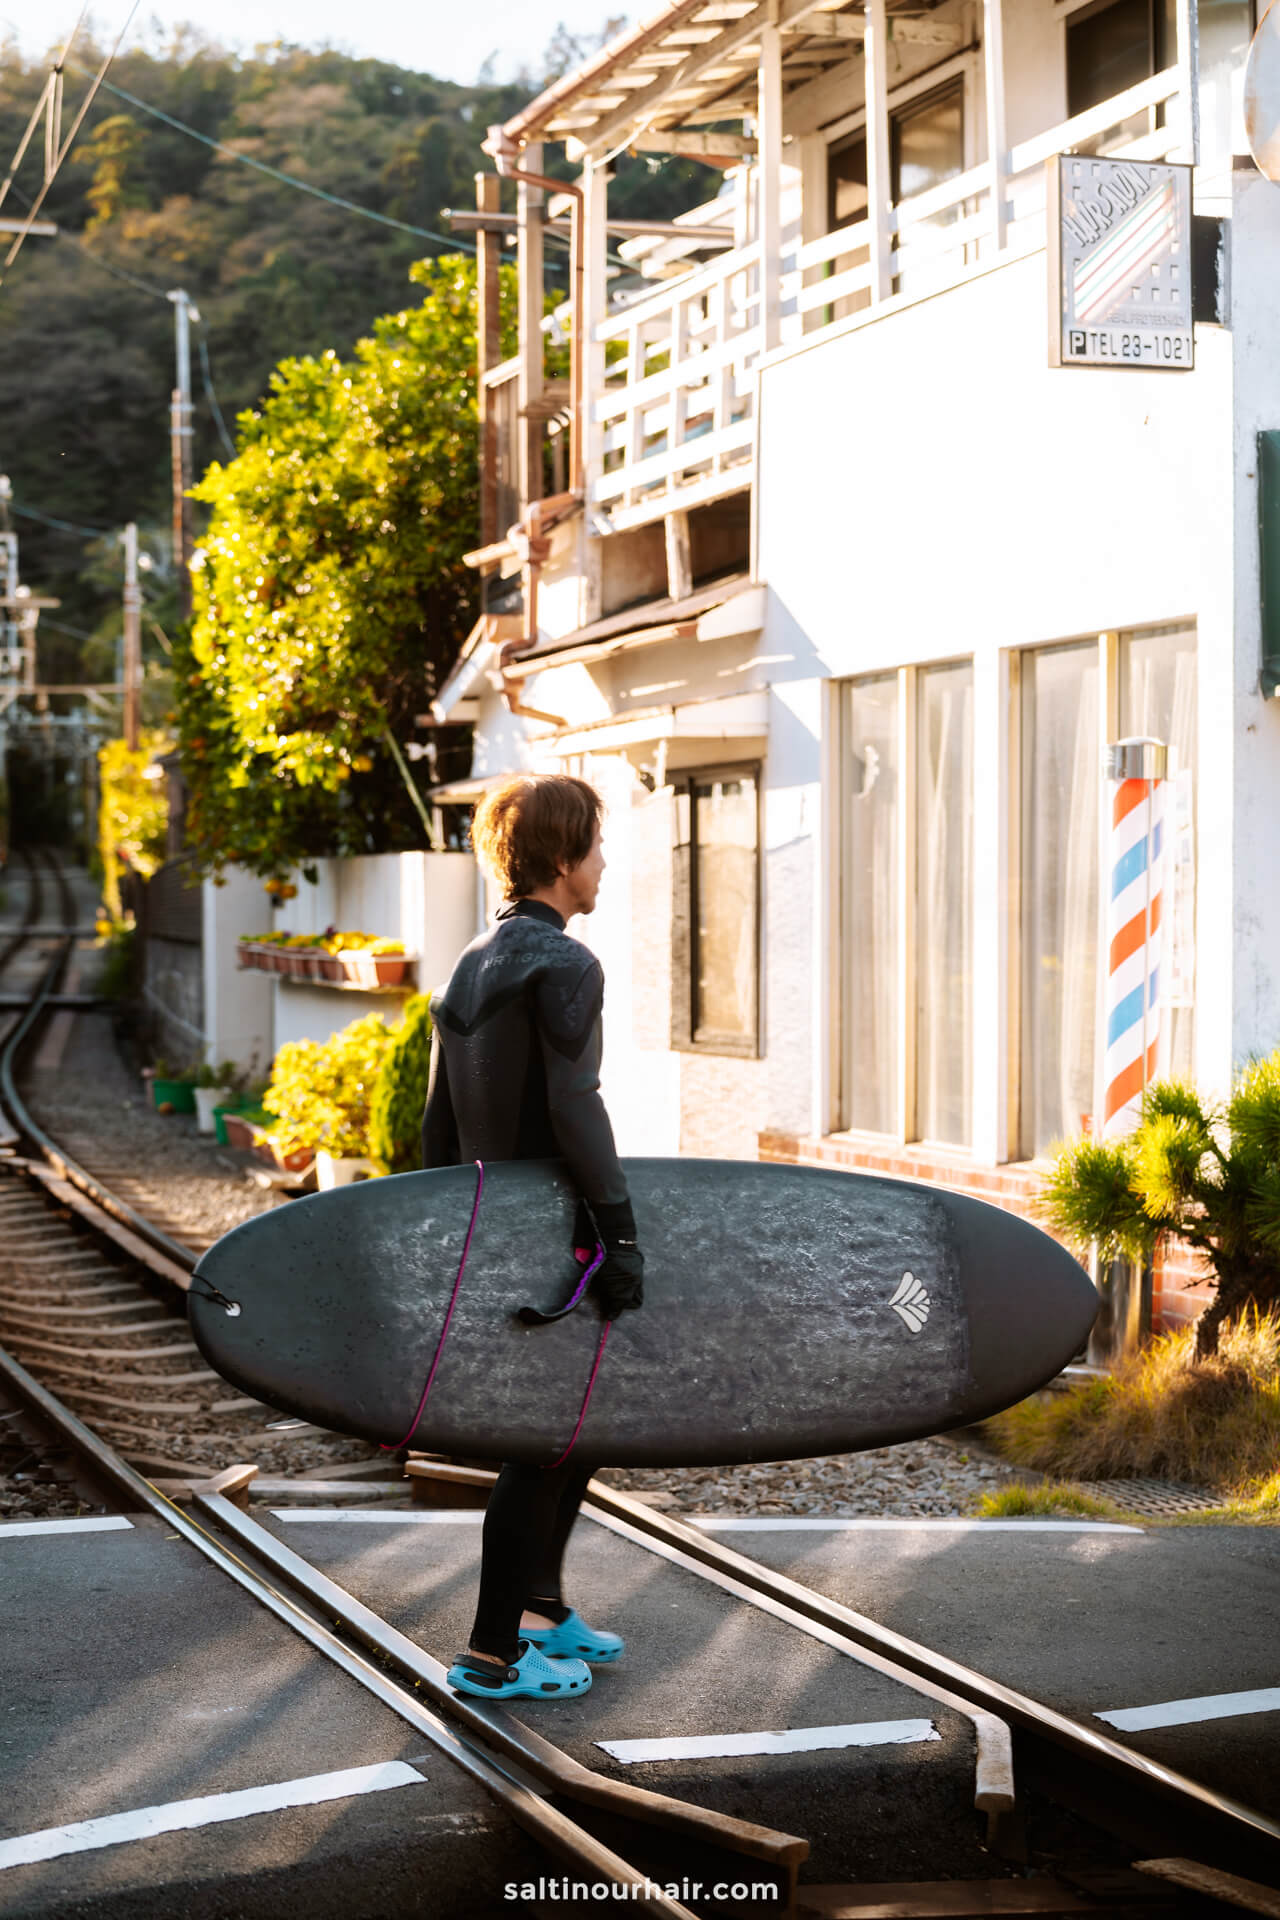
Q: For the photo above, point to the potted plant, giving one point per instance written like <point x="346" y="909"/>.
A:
<point x="173" y="1090"/>
<point x="1208" y="1173"/>
<point x="214" y="1087"/>
<point x="320" y="1097"/>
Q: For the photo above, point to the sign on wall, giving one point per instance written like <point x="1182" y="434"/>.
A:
<point x="1119" y="236"/>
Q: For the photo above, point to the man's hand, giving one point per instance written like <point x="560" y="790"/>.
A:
<point x="618" y="1285"/>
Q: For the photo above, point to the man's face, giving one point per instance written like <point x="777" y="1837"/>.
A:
<point x="584" y="879"/>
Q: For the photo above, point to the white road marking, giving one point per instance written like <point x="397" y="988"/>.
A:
<point x="713" y="1523"/>
<point x="92" y="1523"/>
<point x="1183" y="1713"/>
<point x="433" y="1517"/>
<point x="115" y="1828"/>
<point x="715" y="1746"/>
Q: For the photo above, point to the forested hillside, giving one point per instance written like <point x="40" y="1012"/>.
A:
<point x="86" y="335"/>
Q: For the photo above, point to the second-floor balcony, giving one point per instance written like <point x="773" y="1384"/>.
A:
<point x="883" y="155"/>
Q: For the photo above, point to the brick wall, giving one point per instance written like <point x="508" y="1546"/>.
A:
<point x="1179" y="1292"/>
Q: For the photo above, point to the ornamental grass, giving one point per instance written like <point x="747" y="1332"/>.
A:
<point x="1210" y="1422"/>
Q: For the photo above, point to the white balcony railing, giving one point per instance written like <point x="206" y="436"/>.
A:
<point x="674" y="421"/>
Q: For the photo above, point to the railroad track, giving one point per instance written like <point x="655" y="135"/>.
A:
<point x="98" y="1358"/>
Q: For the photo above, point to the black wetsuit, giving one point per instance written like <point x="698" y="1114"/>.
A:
<point x="515" y="1066"/>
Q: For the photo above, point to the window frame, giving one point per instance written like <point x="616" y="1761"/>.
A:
<point x="685" y="1037"/>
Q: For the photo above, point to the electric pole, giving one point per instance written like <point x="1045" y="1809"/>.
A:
<point x="132" y="636"/>
<point x="180" y="440"/>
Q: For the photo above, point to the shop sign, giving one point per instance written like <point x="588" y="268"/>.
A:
<point x="1119" y="263"/>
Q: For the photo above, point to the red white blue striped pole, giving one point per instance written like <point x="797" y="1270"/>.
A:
<point x="1136" y="772"/>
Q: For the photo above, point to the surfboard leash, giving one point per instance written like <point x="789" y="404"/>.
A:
<point x="453" y="1301"/>
<point x="586" y="1400"/>
<point x="589" y="1270"/>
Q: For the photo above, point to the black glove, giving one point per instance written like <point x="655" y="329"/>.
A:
<point x="618" y="1285"/>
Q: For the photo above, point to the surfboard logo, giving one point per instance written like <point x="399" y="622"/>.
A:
<point x="911" y="1302"/>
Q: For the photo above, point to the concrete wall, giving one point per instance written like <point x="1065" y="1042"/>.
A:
<point x="428" y="900"/>
<point x="172" y="991"/>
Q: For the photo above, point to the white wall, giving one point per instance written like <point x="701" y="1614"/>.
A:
<point x="1242" y="778"/>
<point x="237" y="1001"/>
<point x="930" y="488"/>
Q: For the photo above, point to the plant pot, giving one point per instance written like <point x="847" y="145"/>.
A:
<point x="334" y="1170"/>
<point x="296" y="1162"/>
<point x="207" y="1098"/>
<point x="221" y="1115"/>
<point x="391" y="968"/>
<point x="178" y="1095"/>
<point x="331" y="967"/>
<point x="239" y="1130"/>
<point x="357" y="967"/>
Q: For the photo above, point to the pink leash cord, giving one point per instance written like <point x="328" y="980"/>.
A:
<point x="453" y="1301"/>
<point x="586" y="1400"/>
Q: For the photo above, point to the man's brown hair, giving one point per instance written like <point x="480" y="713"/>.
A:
<point x="531" y="826"/>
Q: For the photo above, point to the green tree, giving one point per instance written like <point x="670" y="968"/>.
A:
<point x="395" y="1116"/>
<point x="330" y="592"/>
<point x="1208" y="1173"/>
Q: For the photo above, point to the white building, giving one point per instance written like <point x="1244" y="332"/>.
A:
<point x="847" y="588"/>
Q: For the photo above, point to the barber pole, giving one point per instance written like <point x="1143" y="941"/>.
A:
<point x="1136" y="788"/>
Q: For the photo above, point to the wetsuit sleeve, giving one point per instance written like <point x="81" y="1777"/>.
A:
<point x="440" y="1146"/>
<point x="567" y="1004"/>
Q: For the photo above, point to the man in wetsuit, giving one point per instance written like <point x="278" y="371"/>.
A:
<point x="515" y="1065"/>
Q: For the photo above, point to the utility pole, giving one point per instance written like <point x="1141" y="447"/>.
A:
<point x="180" y="441"/>
<point x="132" y="636"/>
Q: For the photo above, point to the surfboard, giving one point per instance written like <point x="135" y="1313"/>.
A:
<point x="789" y="1312"/>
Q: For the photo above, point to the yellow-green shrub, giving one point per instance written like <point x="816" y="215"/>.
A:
<point x="321" y="1093"/>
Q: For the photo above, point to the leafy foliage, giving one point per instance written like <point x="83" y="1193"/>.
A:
<point x="86" y="357"/>
<point x="1168" y="1411"/>
<point x="132" y="814"/>
<point x="1211" y="1176"/>
<point x="331" y="591"/>
<point x="395" y="1126"/>
<point x="321" y="1093"/>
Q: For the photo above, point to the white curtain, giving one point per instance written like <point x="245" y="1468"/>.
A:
<point x="944" y="903"/>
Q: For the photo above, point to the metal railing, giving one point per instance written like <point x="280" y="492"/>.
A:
<point x="674" y="418"/>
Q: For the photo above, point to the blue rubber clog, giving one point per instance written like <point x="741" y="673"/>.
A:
<point x="574" y="1640"/>
<point x="531" y="1677"/>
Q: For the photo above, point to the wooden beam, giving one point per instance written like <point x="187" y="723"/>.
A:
<point x="997" y="144"/>
<point x="769" y="185"/>
<point x="675" y="527"/>
<point x="879" y="184"/>
<point x="778" y="13"/>
<point x="489" y="349"/>
<point x="529" y="234"/>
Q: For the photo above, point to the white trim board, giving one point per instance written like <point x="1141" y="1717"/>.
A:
<point x="1182" y="1713"/>
<point x="713" y="1523"/>
<point x="210" y="1809"/>
<point x="715" y="1746"/>
<point x="93" y="1523"/>
<point x="363" y="1516"/>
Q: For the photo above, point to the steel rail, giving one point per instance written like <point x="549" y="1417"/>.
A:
<point x="558" y="1770"/>
<point x="503" y="1779"/>
<point x="1238" y="1826"/>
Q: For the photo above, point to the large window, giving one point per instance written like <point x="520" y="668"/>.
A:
<point x="715" y="916"/>
<point x="870" y="911"/>
<point x="1111" y="48"/>
<point x="907" y="843"/>
<point x="1060" y="778"/>
<point x="944" y="903"/>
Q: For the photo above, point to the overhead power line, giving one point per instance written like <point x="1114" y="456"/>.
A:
<point x="62" y="526"/>
<point x="212" y="397"/>
<point x="289" y="179"/>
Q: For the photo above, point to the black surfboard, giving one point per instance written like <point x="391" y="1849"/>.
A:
<point x="789" y="1311"/>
